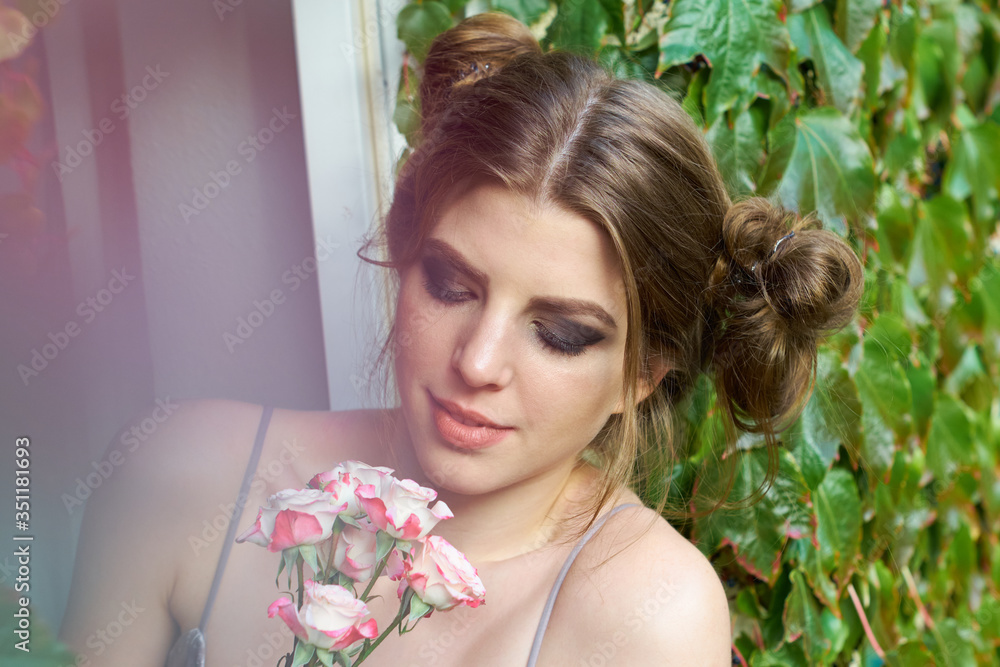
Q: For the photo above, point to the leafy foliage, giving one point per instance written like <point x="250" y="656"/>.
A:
<point x="878" y="542"/>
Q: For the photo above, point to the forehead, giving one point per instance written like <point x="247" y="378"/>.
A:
<point x="542" y="248"/>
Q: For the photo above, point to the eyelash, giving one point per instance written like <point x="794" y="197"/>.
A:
<point x="551" y="342"/>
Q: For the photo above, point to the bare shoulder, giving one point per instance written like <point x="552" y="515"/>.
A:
<point x="649" y="595"/>
<point x="175" y="467"/>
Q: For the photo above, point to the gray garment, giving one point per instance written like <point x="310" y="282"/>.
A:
<point x="189" y="649"/>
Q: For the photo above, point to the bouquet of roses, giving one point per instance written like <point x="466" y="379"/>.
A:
<point x="350" y="526"/>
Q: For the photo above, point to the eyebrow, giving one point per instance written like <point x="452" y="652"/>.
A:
<point x="561" y="306"/>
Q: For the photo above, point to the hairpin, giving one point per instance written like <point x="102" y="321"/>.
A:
<point x="471" y="69"/>
<point x="753" y="267"/>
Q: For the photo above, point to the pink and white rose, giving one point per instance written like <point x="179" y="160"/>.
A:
<point x="354" y="551"/>
<point x="402" y="508"/>
<point x="331" y="617"/>
<point x="343" y="481"/>
<point x="441" y="575"/>
<point x="293" y="518"/>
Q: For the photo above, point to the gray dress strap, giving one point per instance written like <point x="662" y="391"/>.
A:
<point x="536" y="645"/>
<point x="189" y="649"/>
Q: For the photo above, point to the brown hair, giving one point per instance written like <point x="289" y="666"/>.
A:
<point x="711" y="286"/>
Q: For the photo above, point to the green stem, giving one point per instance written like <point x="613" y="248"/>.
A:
<point x="302" y="585"/>
<point x="385" y="633"/>
<point x="375" y="575"/>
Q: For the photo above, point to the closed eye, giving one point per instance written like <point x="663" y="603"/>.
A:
<point x="440" y="286"/>
<point x="570" y="339"/>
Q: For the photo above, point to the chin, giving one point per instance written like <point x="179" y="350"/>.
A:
<point x="455" y="471"/>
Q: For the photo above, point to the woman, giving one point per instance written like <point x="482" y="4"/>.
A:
<point x="566" y="263"/>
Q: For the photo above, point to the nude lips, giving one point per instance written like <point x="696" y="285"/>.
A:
<point x="462" y="435"/>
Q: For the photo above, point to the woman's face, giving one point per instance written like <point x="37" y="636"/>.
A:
<point x="516" y="314"/>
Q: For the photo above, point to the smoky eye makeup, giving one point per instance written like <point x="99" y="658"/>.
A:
<point x="567" y="337"/>
<point x="440" y="279"/>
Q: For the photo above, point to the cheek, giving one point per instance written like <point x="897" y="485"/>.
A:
<point x="575" y="398"/>
<point x="418" y="338"/>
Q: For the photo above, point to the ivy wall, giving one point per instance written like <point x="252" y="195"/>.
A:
<point x="878" y="542"/>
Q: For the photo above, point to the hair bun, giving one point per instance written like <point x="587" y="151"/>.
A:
<point x="477" y="47"/>
<point x="779" y="285"/>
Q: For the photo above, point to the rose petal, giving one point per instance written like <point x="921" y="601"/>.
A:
<point x="293" y="528"/>
<point x="285" y="608"/>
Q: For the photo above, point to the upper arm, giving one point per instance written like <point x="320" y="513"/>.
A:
<point x="689" y="621"/>
<point x="657" y="602"/>
<point x="118" y="608"/>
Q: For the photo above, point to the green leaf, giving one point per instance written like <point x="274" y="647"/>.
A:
<point x="308" y="552"/>
<point x="986" y="286"/>
<point x="615" y="10"/>
<point x="694" y="100"/>
<point x="289" y="559"/>
<point x="739" y="148"/>
<point x="735" y="37"/>
<point x="455" y="6"/>
<point x="803" y="620"/>
<point x="903" y="24"/>
<point x="418" y="24"/>
<point x="855" y="19"/>
<point x="757" y="533"/>
<point x="949" y="442"/>
<point x="788" y="655"/>
<point x="525" y="11"/>
<point x="939" y="256"/>
<point x="799" y="6"/>
<point x="904" y="302"/>
<point x="886" y="402"/>
<point x="418" y="609"/>
<point x="829" y="419"/>
<point x="810" y="562"/>
<point x="830" y="169"/>
<point x="970" y="369"/>
<point x="579" y="25"/>
<point x="871" y="52"/>
<point x="325" y="657"/>
<point x="922" y="385"/>
<point x="838" y="524"/>
<point x="770" y="88"/>
<point x="890" y="335"/>
<point x="974" y="170"/>
<point x="303" y="653"/>
<point x="781" y="141"/>
<point x="384" y="542"/>
<point x="839" y="71"/>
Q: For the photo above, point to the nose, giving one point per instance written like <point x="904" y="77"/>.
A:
<point x="480" y="356"/>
